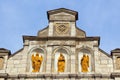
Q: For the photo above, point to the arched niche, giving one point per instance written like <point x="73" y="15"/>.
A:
<point x="33" y="52"/>
<point x="117" y="63"/>
<point x="55" y="56"/>
<point x="1" y="62"/>
<point x="79" y="57"/>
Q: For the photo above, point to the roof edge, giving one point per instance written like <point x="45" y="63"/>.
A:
<point x="62" y="10"/>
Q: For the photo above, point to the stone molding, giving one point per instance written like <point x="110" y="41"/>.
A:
<point x="4" y="52"/>
<point x="3" y="75"/>
<point x="61" y="38"/>
<point x="62" y="10"/>
<point x="57" y="76"/>
<point x="115" y="74"/>
<point x="115" y="52"/>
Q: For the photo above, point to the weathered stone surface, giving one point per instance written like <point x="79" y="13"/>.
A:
<point x="60" y="37"/>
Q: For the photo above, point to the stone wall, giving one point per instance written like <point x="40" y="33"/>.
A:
<point x="49" y="43"/>
<point x="17" y="63"/>
<point x="104" y="62"/>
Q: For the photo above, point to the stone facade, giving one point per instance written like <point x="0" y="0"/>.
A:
<point x="61" y="36"/>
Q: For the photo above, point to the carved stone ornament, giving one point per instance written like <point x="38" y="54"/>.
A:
<point x="61" y="28"/>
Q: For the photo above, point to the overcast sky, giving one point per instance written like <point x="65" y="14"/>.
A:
<point x="27" y="17"/>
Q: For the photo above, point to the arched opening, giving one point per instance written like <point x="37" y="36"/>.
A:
<point x="60" y="60"/>
<point x="37" y="60"/>
<point x="118" y="63"/>
<point x="85" y="60"/>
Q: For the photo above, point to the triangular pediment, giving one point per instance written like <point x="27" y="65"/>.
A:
<point x="60" y="13"/>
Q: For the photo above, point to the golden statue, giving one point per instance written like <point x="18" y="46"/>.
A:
<point x="36" y="62"/>
<point x="85" y="63"/>
<point x="61" y="63"/>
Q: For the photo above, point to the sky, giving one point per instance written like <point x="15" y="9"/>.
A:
<point x="27" y="17"/>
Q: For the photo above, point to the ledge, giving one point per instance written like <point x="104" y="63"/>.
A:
<point x="115" y="74"/>
<point x="61" y="38"/>
<point x="57" y="76"/>
<point x="3" y="75"/>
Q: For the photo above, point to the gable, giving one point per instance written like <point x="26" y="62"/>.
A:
<point x="59" y="14"/>
<point x="62" y="16"/>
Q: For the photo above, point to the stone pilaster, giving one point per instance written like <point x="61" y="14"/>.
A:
<point x="72" y="64"/>
<point x="49" y="52"/>
<point x="73" y="29"/>
<point x="50" y="31"/>
<point x="73" y="60"/>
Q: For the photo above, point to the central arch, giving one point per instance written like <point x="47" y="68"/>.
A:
<point x="55" y="55"/>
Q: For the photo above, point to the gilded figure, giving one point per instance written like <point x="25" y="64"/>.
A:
<point x="36" y="62"/>
<point x="61" y="63"/>
<point x="85" y="63"/>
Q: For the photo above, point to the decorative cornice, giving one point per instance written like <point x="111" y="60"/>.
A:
<point x="115" y="74"/>
<point x="115" y="52"/>
<point x="57" y="76"/>
<point x="60" y="38"/>
<point x="62" y="10"/>
<point x="4" y="51"/>
<point x="36" y="38"/>
<point x="3" y="75"/>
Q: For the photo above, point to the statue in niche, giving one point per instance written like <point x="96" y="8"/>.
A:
<point x="36" y="62"/>
<point x="61" y="63"/>
<point x="85" y="63"/>
<point x="118" y="63"/>
<point x="1" y="62"/>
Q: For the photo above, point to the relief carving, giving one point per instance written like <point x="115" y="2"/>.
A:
<point x="36" y="62"/>
<point x="85" y="63"/>
<point x="61" y="63"/>
<point x="61" y="28"/>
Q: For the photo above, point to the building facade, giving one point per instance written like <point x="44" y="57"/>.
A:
<point x="61" y="51"/>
